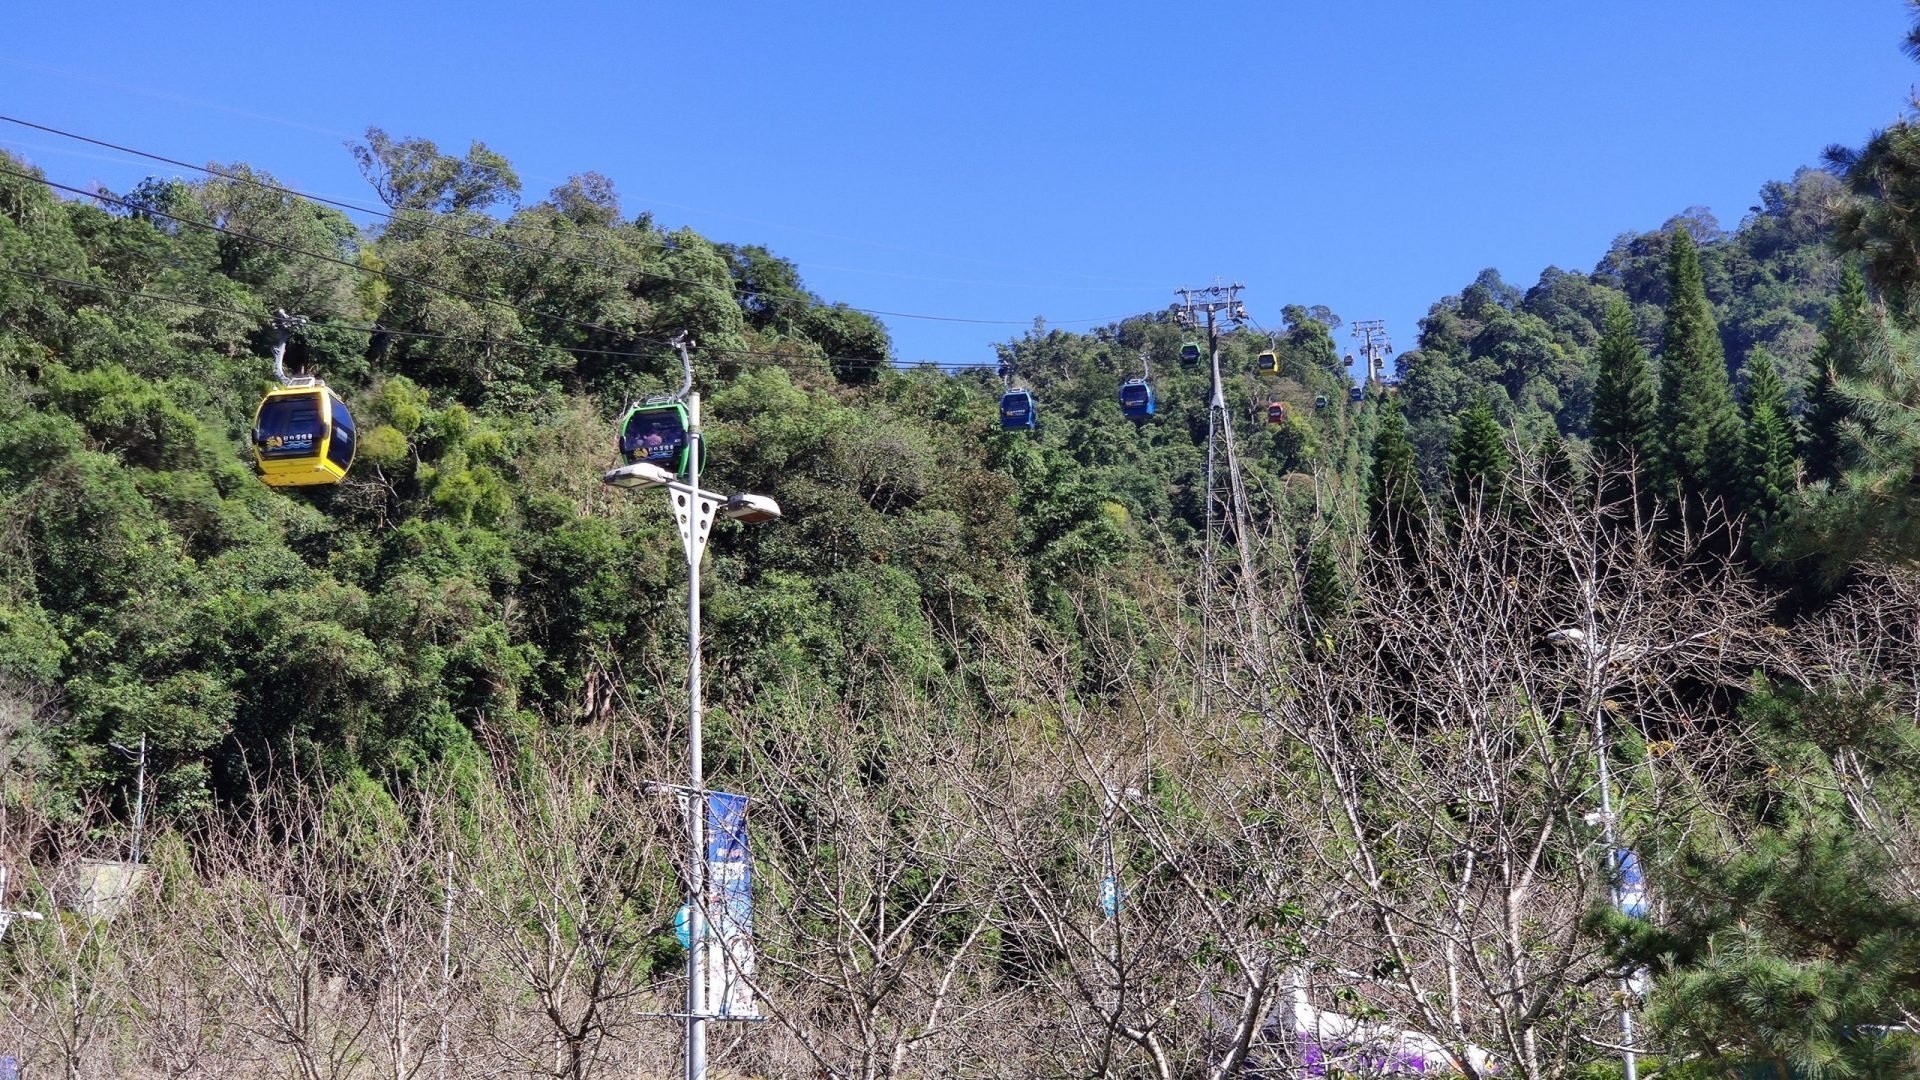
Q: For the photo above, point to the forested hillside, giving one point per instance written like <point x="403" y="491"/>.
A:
<point x="1071" y="756"/>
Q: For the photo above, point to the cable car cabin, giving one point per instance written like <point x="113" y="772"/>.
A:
<point x="1189" y="353"/>
<point x="1349" y="359"/>
<point x="1358" y="393"/>
<point x="1017" y="411"/>
<point x="1319" y="401"/>
<point x="656" y="432"/>
<point x="1267" y="364"/>
<point x="302" y="435"/>
<point x="1277" y="412"/>
<point x="1136" y="399"/>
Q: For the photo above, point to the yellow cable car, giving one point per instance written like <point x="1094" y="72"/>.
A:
<point x="1268" y="364"/>
<point x="302" y="431"/>
<point x="303" y="434"/>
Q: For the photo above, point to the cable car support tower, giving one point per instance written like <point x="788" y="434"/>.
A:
<point x="1374" y="345"/>
<point x="1226" y="505"/>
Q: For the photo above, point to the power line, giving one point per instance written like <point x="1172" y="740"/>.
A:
<point x="389" y="275"/>
<point x="390" y="216"/>
<point x="769" y="359"/>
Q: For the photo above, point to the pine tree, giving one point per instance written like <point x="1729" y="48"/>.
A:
<point x="1873" y="508"/>
<point x="1838" y="356"/>
<point x="1702" y="455"/>
<point x="1394" y="510"/>
<point x="1624" y="439"/>
<point x="1478" y="463"/>
<point x="1556" y="465"/>
<point x="1771" y="466"/>
<point x="1322" y="595"/>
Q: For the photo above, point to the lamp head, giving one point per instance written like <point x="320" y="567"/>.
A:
<point x="638" y="474"/>
<point x="751" y="509"/>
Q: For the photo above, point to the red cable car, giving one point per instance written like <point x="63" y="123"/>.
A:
<point x="1277" y="412"/>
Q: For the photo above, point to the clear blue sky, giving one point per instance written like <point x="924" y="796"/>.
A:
<point x="993" y="160"/>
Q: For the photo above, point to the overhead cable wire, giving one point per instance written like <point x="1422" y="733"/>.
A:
<point x="750" y="356"/>
<point x="534" y="175"/>
<point x="389" y="275"/>
<point x="392" y="216"/>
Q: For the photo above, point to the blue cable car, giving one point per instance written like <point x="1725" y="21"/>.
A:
<point x="1358" y="393"/>
<point x="1017" y="411"/>
<point x="1136" y="399"/>
<point x="1189" y="353"/>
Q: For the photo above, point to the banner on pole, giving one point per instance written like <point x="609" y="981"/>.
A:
<point x="729" y="908"/>
<point x="1630" y="895"/>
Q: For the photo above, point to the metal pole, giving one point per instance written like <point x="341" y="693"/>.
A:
<point x="446" y="965"/>
<point x="1206" y="554"/>
<point x="696" y="780"/>
<point x="140" y="800"/>
<point x="1606" y="830"/>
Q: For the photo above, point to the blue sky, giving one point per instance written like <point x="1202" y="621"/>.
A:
<point x="1001" y="161"/>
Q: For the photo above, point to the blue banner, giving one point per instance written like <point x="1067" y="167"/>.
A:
<point x="1630" y="895"/>
<point x="729" y="908"/>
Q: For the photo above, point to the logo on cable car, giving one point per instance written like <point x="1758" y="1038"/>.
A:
<point x="290" y="442"/>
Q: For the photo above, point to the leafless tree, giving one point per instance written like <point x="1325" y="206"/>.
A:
<point x="1451" y="724"/>
<point x="875" y="895"/>
<point x="568" y="857"/>
<point x="70" y="967"/>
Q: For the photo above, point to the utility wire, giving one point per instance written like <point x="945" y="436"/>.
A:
<point x="389" y="275"/>
<point x="736" y="293"/>
<point x="761" y="357"/>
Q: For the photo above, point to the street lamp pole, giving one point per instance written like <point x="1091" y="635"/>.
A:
<point x="139" y="792"/>
<point x="1597" y="654"/>
<point x="694" y="509"/>
<point x="695" y="546"/>
<point x="1613" y="867"/>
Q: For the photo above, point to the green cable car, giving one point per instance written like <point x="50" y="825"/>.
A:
<point x="656" y="431"/>
<point x="1189" y="353"/>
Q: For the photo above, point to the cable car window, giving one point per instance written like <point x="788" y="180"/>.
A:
<point x="656" y="434"/>
<point x="340" y="450"/>
<point x="290" y="427"/>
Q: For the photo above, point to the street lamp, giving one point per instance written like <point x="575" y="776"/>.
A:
<point x="6" y="915"/>
<point x="9" y="1067"/>
<point x="1598" y="655"/>
<point x="694" y="508"/>
<point x="139" y="792"/>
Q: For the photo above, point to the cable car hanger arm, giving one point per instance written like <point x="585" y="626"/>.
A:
<point x="283" y="326"/>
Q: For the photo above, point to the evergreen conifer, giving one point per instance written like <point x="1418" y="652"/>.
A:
<point x="1393" y="491"/>
<point x="1838" y="356"/>
<point x="1624" y="398"/>
<point x="1322" y="594"/>
<point x="1478" y="463"/>
<point x="1556" y="465"/>
<point x="1771" y="466"/>
<point x="1624" y="439"/>
<point x="1703" y="451"/>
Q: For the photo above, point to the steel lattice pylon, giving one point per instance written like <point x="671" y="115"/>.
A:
<point x="1226" y="506"/>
